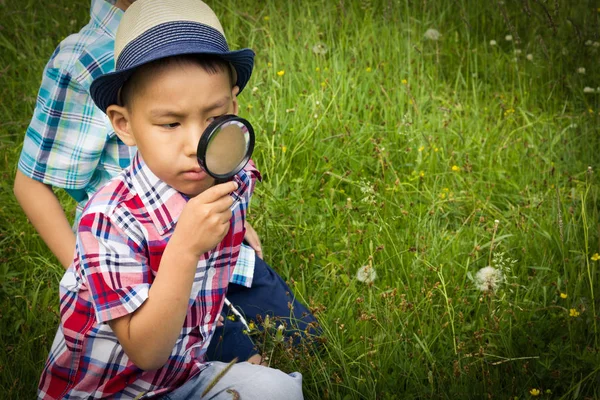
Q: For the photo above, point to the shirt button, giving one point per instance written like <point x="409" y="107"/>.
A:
<point x="207" y="318"/>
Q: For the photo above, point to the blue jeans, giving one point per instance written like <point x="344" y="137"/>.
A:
<point x="269" y="295"/>
<point x="249" y="381"/>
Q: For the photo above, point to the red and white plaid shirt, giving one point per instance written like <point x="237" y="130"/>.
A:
<point x="120" y="241"/>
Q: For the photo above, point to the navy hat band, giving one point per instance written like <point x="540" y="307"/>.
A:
<point x="148" y="45"/>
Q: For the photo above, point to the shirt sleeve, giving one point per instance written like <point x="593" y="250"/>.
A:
<point x="67" y="133"/>
<point x="114" y="265"/>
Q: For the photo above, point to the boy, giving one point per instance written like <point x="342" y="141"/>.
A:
<point x="156" y="247"/>
<point x="70" y="145"/>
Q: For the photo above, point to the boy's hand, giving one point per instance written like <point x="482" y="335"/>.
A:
<point x="253" y="240"/>
<point x="204" y="221"/>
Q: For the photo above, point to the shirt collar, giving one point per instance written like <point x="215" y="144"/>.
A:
<point x="106" y="16"/>
<point x="163" y="203"/>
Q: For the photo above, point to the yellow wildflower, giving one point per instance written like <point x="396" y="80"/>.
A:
<point x="404" y="82"/>
<point x="422" y="174"/>
<point x="421" y="148"/>
<point x="251" y="325"/>
<point x="317" y="69"/>
<point x="369" y="69"/>
<point x="266" y="18"/>
<point x="435" y="149"/>
<point x="231" y="317"/>
<point x="573" y="313"/>
<point x="534" y="392"/>
<point x="563" y="296"/>
<point x="269" y="64"/>
<point x="455" y="168"/>
<point x="280" y="73"/>
<point x="284" y="148"/>
<point x="596" y="257"/>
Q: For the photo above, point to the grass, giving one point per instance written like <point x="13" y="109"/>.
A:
<point x="381" y="148"/>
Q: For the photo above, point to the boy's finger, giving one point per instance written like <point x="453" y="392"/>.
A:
<point x="216" y="192"/>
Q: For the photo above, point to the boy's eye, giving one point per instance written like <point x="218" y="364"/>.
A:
<point x="171" y="125"/>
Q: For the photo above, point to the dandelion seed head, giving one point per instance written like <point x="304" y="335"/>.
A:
<point x="588" y="42"/>
<point x="493" y="43"/>
<point x="529" y="57"/>
<point x="596" y="44"/>
<point x="518" y="51"/>
<point x="488" y="279"/>
<point x="432" y="34"/>
<point x="320" y="49"/>
<point x="366" y="274"/>
<point x="588" y="89"/>
<point x="508" y="38"/>
<point x="581" y="70"/>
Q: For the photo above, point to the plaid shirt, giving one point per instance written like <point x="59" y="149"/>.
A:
<point x="70" y="143"/>
<point x="122" y="235"/>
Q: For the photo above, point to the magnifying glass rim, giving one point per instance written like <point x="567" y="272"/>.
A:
<point x="210" y="130"/>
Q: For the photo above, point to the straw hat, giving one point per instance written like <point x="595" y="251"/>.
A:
<point x="154" y="29"/>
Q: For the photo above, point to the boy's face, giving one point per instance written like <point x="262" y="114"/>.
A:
<point x="168" y="114"/>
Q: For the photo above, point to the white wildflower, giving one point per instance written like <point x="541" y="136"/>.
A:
<point x="596" y="44"/>
<point x="493" y="43"/>
<point x="366" y="274"/>
<point x="529" y="57"/>
<point x="320" y="49"/>
<point x="581" y="70"/>
<point x="588" y="89"/>
<point x="588" y="42"/>
<point x="518" y="51"/>
<point x="508" y="38"/>
<point x="488" y="279"/>
<point x="254" y="89"/>
<point x="432" y="34"/>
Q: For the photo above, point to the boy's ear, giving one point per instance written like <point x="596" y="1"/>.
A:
<point x="119" y="118"/>
<point x="234" y="92"/>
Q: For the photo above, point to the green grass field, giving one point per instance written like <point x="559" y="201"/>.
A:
<point x="424" y="160"/>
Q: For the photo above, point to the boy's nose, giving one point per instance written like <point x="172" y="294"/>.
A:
<point x="192" y="140"/>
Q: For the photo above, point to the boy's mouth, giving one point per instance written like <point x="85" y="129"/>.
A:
<point x="195" y="174"/>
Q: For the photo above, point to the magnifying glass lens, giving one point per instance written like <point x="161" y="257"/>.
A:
<point x="226" y="146"/>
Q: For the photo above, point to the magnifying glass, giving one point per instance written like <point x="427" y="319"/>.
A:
<point x="225" y="147"/>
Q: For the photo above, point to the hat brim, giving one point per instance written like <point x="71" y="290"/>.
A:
<point x="105" y="89"/>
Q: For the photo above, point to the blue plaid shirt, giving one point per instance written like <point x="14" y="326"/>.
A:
<point x="70" y="143"/>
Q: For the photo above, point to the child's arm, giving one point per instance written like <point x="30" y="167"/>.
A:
<point x="45" y="212"/>
<point x="149" y="333"/>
